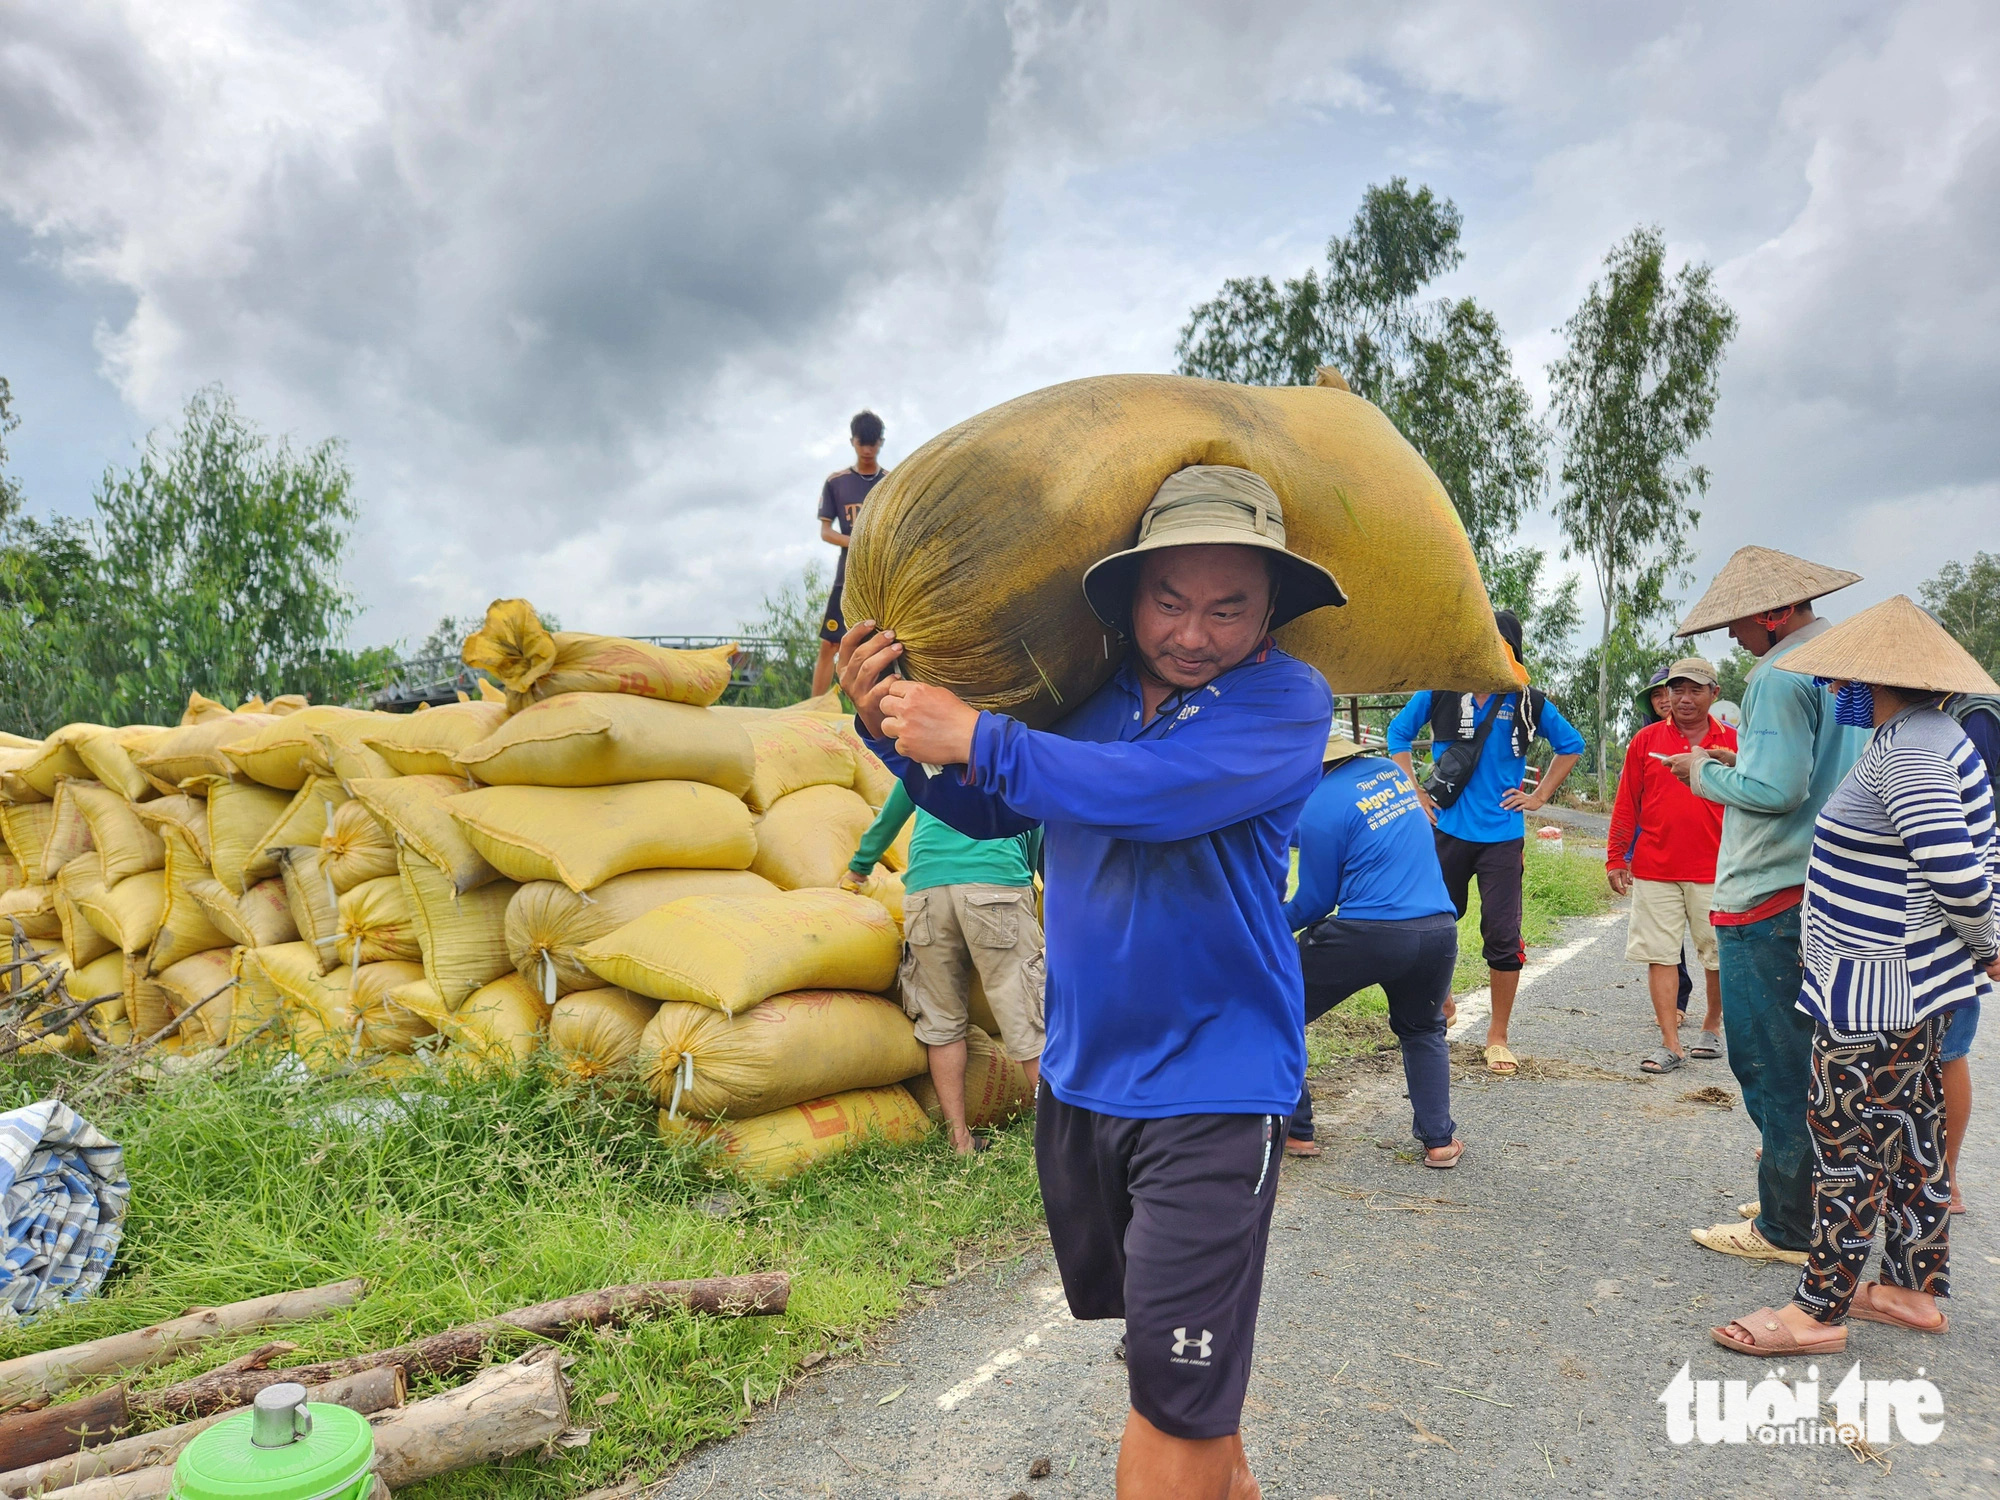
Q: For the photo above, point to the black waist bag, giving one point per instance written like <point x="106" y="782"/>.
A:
<point x="1453" y="768"/>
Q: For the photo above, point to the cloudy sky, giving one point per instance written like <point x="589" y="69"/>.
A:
<point x="590" y="290"/>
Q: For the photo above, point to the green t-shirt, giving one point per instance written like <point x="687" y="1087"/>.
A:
<point x="941" y="855"/>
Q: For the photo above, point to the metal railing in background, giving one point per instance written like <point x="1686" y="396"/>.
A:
<point x="430" y="681"/>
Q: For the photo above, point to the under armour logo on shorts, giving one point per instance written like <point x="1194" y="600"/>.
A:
<point x="1181" y="1342"/>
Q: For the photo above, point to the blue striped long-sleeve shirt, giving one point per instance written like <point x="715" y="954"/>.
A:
<point x="1899" y="918"/>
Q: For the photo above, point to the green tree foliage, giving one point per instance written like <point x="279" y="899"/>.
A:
<point x="1966" y="598"/>
<point x="10" y="489"/>
<point x="1733" y="674"/>
<point x="1438" y="368"/>
<point x="213" y="565"/>
<point x="790" y="617"/>
<point x="1633" y="391"/>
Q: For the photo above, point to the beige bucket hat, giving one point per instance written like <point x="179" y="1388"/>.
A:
<point x="1758" y="579"/>
<point x="1339" y="748"/>
<point x="1895" y="644"/>
<point x="1212" y="505"/>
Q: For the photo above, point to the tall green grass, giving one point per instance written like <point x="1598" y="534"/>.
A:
<point x="463" y="1197"/>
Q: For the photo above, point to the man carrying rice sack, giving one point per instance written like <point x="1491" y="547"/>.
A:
<point x="1175" y="1022"/>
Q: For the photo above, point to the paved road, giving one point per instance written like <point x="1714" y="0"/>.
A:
<point x="1505" y="1328"/>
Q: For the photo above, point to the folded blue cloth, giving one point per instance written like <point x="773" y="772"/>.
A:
<point x="62" y="1207"/>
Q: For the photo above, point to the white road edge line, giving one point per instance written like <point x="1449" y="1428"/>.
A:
<point x="1477" y="1006"/>
<point x="1002" y="1358"/>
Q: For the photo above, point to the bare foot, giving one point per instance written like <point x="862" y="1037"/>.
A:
<point x="1296" y="1147"/>
<point x="1957" y="1200"/>
<point x="1439" y="1155"/>
<point x="1914" y="1309"/>
<point x="961" y="1140"/>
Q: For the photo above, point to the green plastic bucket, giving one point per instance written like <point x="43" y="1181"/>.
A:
<point x="283" y="1448"/>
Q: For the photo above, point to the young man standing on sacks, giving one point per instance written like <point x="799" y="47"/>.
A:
<point x="968" y="906"/>
<point x="840" y="501"/>
<point x="1176" y="1041"/>
<point x="1669" y="872"/>
<point x="1791" y="753"/>
<point x="1481" y="832"/>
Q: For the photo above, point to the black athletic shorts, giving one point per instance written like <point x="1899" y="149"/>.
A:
<point x="1499" y="870"/>
<point x="834" y="626"/>
<point x="1164" y="1223"/>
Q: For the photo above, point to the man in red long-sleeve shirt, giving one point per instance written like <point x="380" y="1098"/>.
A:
<point x="1662" y="849"/>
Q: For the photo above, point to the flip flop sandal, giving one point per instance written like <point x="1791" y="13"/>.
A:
<point x="1296" y="1147"/>
<point x="1710" y="1045"/>
<point x="1659" y="1061"/>
<point x="1863" y="1307"/>
<point x="1500" y="1059"/>
<point x="1449" y="1162"/>
<point x="1767" y="1335"/>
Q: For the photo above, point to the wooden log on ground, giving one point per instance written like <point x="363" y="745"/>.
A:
<point x="371" y="1391"/>
<point x="761" y="1295"/>
<point x="504" y="1412"/>
<point x="35" y="1375"/>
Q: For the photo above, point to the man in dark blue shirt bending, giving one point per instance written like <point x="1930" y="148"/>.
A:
<point x="1175" y="1009"/>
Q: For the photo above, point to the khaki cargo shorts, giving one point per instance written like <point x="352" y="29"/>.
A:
<point x="1661" y="911"/>
<point x="951" y="932"/>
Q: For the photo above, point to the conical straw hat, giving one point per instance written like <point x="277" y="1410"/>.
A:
<point x="1896" y="645"/>
<point x="1757" y="579"/>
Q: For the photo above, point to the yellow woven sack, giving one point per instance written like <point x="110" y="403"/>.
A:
<point x="607" y="739"/>
<point x="873" y="780"/>
<point x="343" y="756"/>
<point x="996" y="1087"/>
<point x="462" y="939"/>
<point x="108" y="755"/>
<point x="102" y="978"/>
<point x="499" y="1026"/>
<point x="26" y="825"/>
<point x="426" y="743"/>
<point x="974" y="549"/>
<point x="807" y="839"/>
<point x="10" y="741"/>
<point x="126" y="844"/>
<point x="886" y="886"/>
<point x="83" y="944"/>
<point x="314" y="906"/>
<point x="69" y="829"/>
<point x="128" y="913"/>
<point x="178" y="810"/>
<point x="201" y="710"/>
<point x="185" y="927"/>
<point x="33" y="910"/>
<point x="375" y="923"/>
<point x="257" y="1000"/>
<point x="146" y="1004"/>
<point x="198" y="979"/>
<point x="259" y="918"/>
<point x="240" y="815"/>
<point x="346" y="1014"/>
<point x="11" y="878"/>
<point x="792" y="1047"/>
<point x="356" y="847"/>
<point x="584" y="835"/>
<point x="593" y="1031"/>
<point x="415" y="809"/>
<point x="533" y="664"/>
<point x="195" y="751"/>
<point x="283" y="752"/>
<point x="301" y="825"/>
<point x="56" y="758"/>
<point x="772" y="1147"/>
<point x="732" y="951"/>
<point x="795" y="751"/>
<point x="549" y="925"/>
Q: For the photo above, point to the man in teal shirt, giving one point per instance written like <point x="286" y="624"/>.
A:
<point x="968" y="904"/>
<point x="1790" y="755"/>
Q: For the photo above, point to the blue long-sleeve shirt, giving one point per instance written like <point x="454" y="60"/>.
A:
<point x="1173" y="981"/>
<point x="1477" y="816"/>
<point x="1365" y="849"/>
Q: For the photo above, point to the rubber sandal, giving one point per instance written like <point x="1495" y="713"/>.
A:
<point x="1710" y="1045"/>
<point x="1766" y="1335"/>
<point x="1660" y="1061"/>
<point x="1500" y="1059"/>
<point x="1863" y="1307"/>
<point x="1296" y="1147"/>
<point x="1741" y="1238"/>
<point x="1749" y="1210"/>
<point x="1449" y="1162"/>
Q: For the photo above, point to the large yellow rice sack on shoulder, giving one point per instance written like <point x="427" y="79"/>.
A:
<point x="108" y="755"/>
<point x="69" y="829"/>
<point x="83" y="944"/>
<point x="283" y="752"/>
<point x="33" y="910"/>
<point x="783" y="1050"/>
<point x="461" y="938"/>
<point x="25" y="826"/>
<point x="583" y="836"/>
<point x="122" y="839"/>
<point x="772" y="1147"/>
<point x="259" y="918"/>
<point x="593" y="1031"/>
<point x="973" y="550"/>
<point x="427" y="742"/>
<point x="207" y="980"/>
<point x="414" y="809"/>
<point x="608" y="739"/>
<point x="356" y="847"/>
<point x="178" y="810"/>
<point x="314" y="907"/>
<point x="240" y="815"/>
<point x="807" y="839"/>
<point x="301" y="825"/>
<point x="996" y="1087"/>
<point x="730" y="952"/>
<point x="794" y="751"/>
<point x="127" y="913"/>
<point x="375" y="923"/>
<point x="194" y="752"/>
<point x="56" y="758"/>
<point x="531" y="663"/>
<point x="549" y="925"/>
<point x="185" y="928"/>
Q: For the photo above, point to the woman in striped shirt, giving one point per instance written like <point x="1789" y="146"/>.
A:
<point x="1898" y="930"/>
